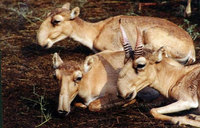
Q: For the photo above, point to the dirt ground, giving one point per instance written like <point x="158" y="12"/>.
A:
<point x="27" y="72"/>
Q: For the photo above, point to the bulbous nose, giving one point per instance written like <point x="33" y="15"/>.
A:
<point x="119" y="96"/>
<point x="45" y="46"/>
<point x="129" y="96"/>
<point x="63" y="113"/>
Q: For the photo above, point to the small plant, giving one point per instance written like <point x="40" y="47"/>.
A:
<point x="190" y="29"/>
<point x="41" y="101"/>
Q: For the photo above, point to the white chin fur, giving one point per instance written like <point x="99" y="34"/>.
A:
<point x="50" y="43"/>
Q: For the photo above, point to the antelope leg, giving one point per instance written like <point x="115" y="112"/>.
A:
<point x="195" y="117"/>
<point x="185" y="120"/>
<point x="80" y="105"/>
<point x="105" y="102"/>
<point x="95" y="105"/>
<point x="175" y="107"/>
<point x="102" y="103"/>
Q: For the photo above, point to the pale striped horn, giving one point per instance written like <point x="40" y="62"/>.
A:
<point x="126" y="44"/>
<point x="139" y="45"/>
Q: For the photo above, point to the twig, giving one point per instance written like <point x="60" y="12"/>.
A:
<point x="42" y="123"/>
<point x="42" y="104"/>
<point x="24" y="98"/>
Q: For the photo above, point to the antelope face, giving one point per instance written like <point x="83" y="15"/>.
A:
<point x="69" y="90"/>
<point x="69" y="84"/>
<point x="131" y="78"/>
<point x="138" y="73"/>
<point x="57" y="26"/>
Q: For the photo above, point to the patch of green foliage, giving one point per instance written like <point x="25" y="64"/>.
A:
<point x="42" y="102"/>
<point x="190" y="28"/>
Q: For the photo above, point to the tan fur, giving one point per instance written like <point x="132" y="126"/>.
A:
<point x="173" y="80"/>
<point x="105" y="35"/>
<point x="100" y="80"/>
<point x="97" y="87"/>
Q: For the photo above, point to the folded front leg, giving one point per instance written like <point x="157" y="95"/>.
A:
<point x="193" y="116"/>
<point x="105" y="102"/>
<point x="80" y="105"/>
<point x="176" y="107"/>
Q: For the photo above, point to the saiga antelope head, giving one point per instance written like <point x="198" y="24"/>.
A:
<point x="138" y="71"/>
<point x="52" y="30"/>
<point x="68" y="80"/>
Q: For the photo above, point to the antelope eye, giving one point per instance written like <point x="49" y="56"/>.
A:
<point x="140" y="66"/>
<point x="140" y="63"/>
<point x="54" y="22"/>
<point x="78" y="79"/>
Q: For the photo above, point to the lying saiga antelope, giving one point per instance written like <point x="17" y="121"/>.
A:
<point x="171" y="79"/>
<point x="94" y="81"/>
<point x="104" y="35"/>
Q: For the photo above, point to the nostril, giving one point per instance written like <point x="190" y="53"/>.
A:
<point x="119" y="96"/>
<point x="54" y="76"/>
<point x="129" y="96"/>
<point x="45" y="46"/>
<point x="62" y="112"/>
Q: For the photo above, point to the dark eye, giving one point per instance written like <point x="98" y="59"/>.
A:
<point x="139" y="66"/>
<point x="54" y="22"/>
<point x="78" y="79"/>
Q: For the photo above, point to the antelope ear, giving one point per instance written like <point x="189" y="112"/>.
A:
<point x="48" y="14"/>
<point x="77" y="76"/>
<point x="57" y="61"/>
<point x="88" y="63"/>
<point x="140" y="63"/>
<point x="74" y="13"/>
<point x="160" y="53"/>
<point x="66" y="6"/>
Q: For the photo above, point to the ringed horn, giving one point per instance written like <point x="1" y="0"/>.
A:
<point x="126" y="44"/>
<point x="129" y="53"/>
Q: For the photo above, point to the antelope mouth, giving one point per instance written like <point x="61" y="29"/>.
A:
<point x="128" y="96"/>
<point x="49" y="44"/>
<point x="46" y="44"/>
<point x="131" y="95"/>
<point x="63" y="113"/>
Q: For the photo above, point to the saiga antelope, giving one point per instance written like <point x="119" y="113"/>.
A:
<point x="104" y="35"/>
<point x="170" y="78"/>
<point x="94" y="81"/>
